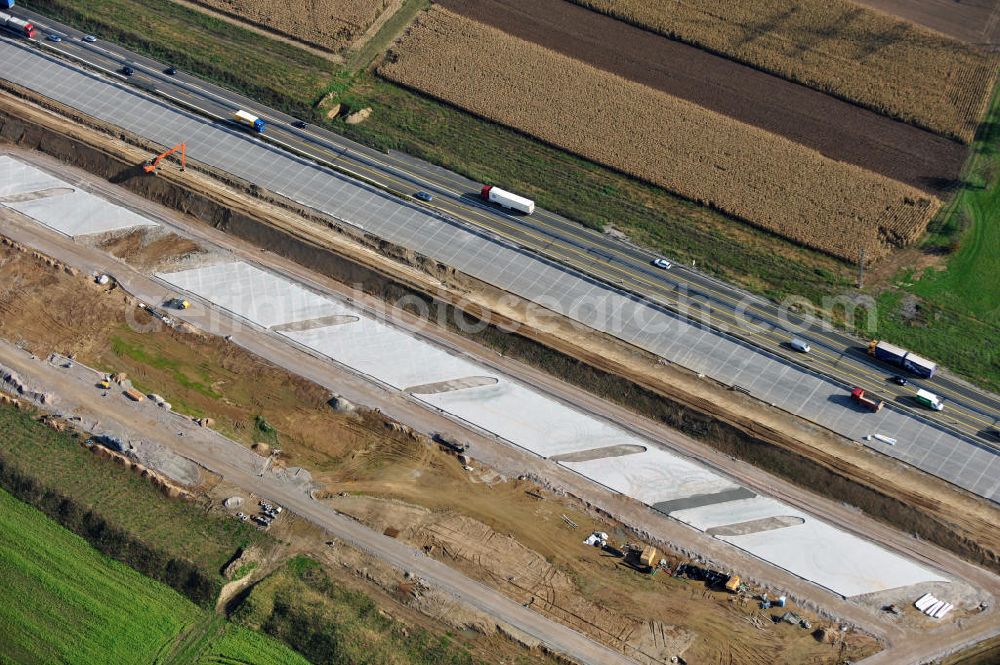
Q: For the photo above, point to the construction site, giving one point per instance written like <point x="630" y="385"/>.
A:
<point x="128" y="290"/>
<point x="482" y="468"/>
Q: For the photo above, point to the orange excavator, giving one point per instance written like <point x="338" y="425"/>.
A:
<point x="150" y="166"/>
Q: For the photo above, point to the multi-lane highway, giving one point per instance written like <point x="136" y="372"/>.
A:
<point x="969" y="412"/>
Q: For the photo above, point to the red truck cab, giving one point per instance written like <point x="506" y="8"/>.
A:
<point x="859" y="396"/>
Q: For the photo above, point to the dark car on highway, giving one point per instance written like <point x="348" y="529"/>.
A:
<point x="900" y="380"/>
<point x="299" y="124"/>
<point x="127" y="71"/>
<point x="170" y="71"/>
<point x="423" y="196"/>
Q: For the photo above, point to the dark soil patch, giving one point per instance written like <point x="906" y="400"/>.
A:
<point x="837" y="129"/>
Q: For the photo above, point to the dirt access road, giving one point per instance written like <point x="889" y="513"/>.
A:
<point x="237" y="465"/>
<point x="837" y="129"/>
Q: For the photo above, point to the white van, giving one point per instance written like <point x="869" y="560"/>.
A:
<point x="800" y="345"/>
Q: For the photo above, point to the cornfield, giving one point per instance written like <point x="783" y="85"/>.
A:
<point x="835" y="46"/>
<point x="743" y="171"/>
<point x="329" y="24"/>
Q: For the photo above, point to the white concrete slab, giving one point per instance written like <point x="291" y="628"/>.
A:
<point x="254" y="294"/>
<point x="59" y="205"/>
<point x="387" y="353"/>
<point x="16" y="177"/>
<point x="79" y="213"/>
<point x="530" y="419"/>
<point x="834" y="559"/>
<point x="653" y="476"/>
<point x="734" y="512"/>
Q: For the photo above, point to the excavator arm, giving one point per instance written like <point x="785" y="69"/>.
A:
<point x="150" y="166"/>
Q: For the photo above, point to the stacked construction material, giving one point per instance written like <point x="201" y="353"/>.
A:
<point x="933" y="607"/>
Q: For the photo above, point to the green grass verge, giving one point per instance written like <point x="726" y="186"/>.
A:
<point x="238" y="645"/>
<point x="331" y="624"/>
<point x="121" y="499"/>
<point x="953" y="315"/>
<point x="63" y="601"/>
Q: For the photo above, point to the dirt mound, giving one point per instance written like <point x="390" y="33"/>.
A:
<point x="248" y="557"/>
<point x="358" y="116"/>
<point x="151" y="248"/>
<point x="168" y="488"/>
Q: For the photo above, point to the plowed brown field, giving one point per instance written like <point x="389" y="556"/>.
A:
<point x="835" y="46"/>
<point x="838" y="129"/>
<point x="748" y="173"/>
<point x="329" y="24"/>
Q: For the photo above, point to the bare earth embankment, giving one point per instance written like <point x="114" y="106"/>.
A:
<point x="709" y="158"/>
<point x="835" y="46"/>
<point x="838" y="129"/>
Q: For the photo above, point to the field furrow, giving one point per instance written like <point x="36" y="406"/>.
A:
<point x="875" y="60"/>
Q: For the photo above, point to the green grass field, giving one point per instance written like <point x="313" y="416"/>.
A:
<point x="63" y="601"/>
<point x="336" y="625"/>
<point x="182" y="375"/>
<point x="121" y="497"/>
<point x="957" y="318"/>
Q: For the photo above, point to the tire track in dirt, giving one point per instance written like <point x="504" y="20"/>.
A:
<point x="838" y="129"/>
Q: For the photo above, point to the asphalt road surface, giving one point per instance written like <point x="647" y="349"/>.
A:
<point x="624" y="269"/>
<point x="585" y="249"/>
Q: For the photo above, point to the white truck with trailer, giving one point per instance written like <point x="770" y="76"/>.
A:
<point x="507" y="199"/>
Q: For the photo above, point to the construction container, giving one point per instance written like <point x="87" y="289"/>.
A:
<point x="134" y="395"/>
<point x="733" y="584"/>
